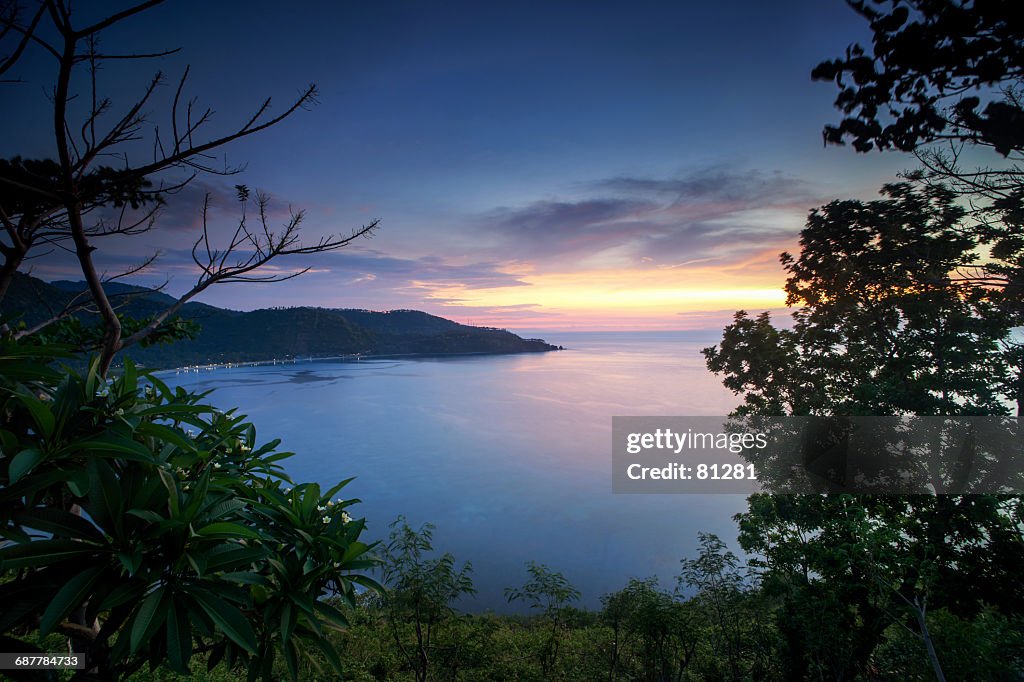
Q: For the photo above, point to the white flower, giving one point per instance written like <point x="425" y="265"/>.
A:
<point x="345" y="518"/>
<point x="119" y="412"/>
<point x="321" y="508"/>
<point x="245" y="448"/>
<point x="327" y="519"/>
<point x="216" y="465"/>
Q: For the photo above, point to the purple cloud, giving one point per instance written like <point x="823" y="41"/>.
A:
<point x="716" y="215"/>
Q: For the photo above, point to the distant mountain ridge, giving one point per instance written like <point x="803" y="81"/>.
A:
<point x="236" y="336"/>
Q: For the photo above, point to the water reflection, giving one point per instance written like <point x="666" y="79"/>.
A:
<point x="510" y="456"/>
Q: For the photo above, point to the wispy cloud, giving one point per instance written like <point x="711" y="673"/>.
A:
<point x="714" y="184"/>
<point x="714" y="215"/>
<point x="622" y="249"/>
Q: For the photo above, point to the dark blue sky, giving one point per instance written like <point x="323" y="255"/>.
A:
<point x="533" y="164"/>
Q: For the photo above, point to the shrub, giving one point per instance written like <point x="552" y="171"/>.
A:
<point x="149" y="526"/>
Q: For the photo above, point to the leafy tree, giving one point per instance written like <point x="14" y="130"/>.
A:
<point x="149" y="526"/>
<point x="1001" y="225"/>
<point x="891" y="321"/>
<point x="550" y="593"/>
<point x="649" y="620"/>
<point x="846" y="566"/>
<point x="942" y="76"/>
<point x="987" y="647"/>
<point x="421" y="590"/>
<point x="724" y="597"/>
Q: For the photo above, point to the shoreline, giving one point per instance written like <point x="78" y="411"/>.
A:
<point x="346" y="357"/>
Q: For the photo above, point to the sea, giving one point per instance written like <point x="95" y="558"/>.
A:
<point x="508" y="456"/>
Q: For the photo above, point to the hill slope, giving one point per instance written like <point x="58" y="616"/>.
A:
<point x="234" y="336"/>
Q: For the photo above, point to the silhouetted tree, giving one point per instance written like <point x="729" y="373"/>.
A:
<point x="895" y="317"/>
<point x="938" y="71"/>
<point x="923" y="80"/>
<point x="885" y="323"/>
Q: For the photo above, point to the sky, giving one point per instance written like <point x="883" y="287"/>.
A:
<point x="557" y="165"/>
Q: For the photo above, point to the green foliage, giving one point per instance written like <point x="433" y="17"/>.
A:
<point x="844" y="567"/>
<point x="654" y="636"/>
<point x="546" y="590"/>
<point x="417" y="581"/>
<point x="486" y="647"/>
<point x="988" y="647"/>
<point x="149" y="526"/>
<point x="421" y="591"/>
<point x="549" y="592"/>
<point x="647" y="633"/>
<point x="731" y="612"/>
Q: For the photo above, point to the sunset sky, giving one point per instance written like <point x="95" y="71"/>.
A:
<point x="535" y="165"/>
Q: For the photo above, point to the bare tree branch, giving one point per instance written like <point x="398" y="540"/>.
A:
<point x="28" y="34"/>
<point x="50" y="202"/>
<point x="82" y="301"/>
<point x="115" y="18"/>
<point x="139" y="55"/>
<point x="230" y="264"/>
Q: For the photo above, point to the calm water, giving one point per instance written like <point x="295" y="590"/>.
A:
<point x="509" y="456"/>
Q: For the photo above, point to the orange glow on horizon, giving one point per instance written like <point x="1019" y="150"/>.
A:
<point x="648" y="298"/>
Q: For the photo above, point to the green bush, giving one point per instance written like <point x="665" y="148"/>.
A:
<point x="149" y="527"/>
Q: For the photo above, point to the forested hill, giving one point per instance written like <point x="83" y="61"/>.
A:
<point x="234" y="336"/>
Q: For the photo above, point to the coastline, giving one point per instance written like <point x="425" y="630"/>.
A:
<point x="346" y="357"/>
